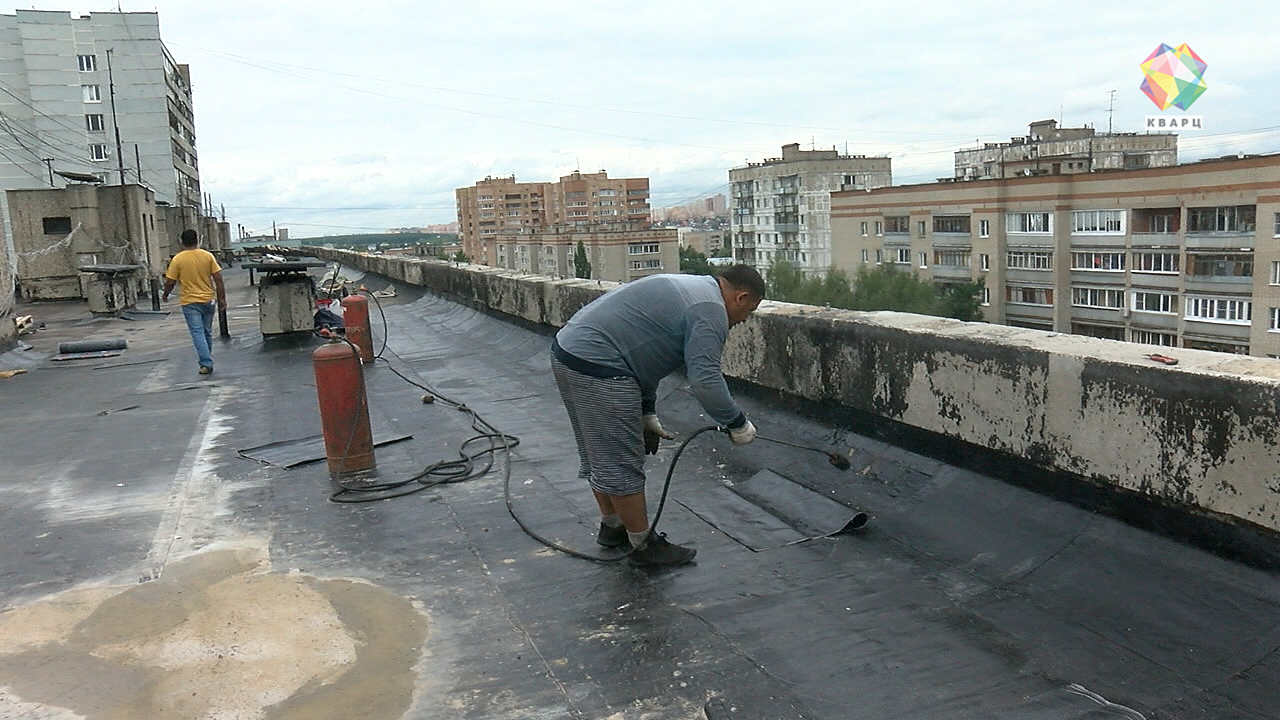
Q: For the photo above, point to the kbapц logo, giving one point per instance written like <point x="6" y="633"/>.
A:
<point x="1174" y="76"/>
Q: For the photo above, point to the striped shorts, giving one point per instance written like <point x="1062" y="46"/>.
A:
<point x="605" y="414"/>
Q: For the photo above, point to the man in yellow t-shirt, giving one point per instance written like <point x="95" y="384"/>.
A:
<point x="201" y="278"/>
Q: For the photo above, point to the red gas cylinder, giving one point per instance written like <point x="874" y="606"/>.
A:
<point x="344" y="410"/>
<point x="355" y="318"/>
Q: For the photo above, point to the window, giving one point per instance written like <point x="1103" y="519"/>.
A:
<point x="904" y="256"/>
<point x="577" y="213"/>
<point x="924" y="260"/>
<point x="920" y="228"/>
<point x="1028" y="260"/>
<point x="1149" y="337"/>
<point x="864" y="256"/>
<point x="879" y="257"/>
<point x="98" y="151"/>
<point x="513" y="213"/>
<point x="608" y="212"/>
<point x="951" y="224"/>
<point x="864" y="227"/>
<point x="1275" y="273"/>
<point x="94" y="123"/>
<point x="1108" y="261"/>
<point x="951" y="258"/>
<point x="1158" y="302"/>
<point x="1275" y="320"/>
<point x="984" y="228"/>
<point x="1097" y="297"/>
<point x="1155" y="262"/>
<point x="1225" y="265"/>
<point x="1231" y="218"/>
<point x="642" y="248"/>
<point x="1039" y="222"/>
<point x="1107" y="222"/>
<point x="986" y="296"/>
<point x="1219" y="309"/>
<point x="606" y="203"/>
<point x="606" y="193"/>
<point x="1277" y="230"/>
<point x="57" y="225"/>
<point x="879" y="228"/>
<point x="897" y="224"/>
<point x="88" y="63"/>
<point x="1028" y="294"/>
<point x="985" y="261"/>
<point x="91" y="93"/>
<point x="646" y="264"/>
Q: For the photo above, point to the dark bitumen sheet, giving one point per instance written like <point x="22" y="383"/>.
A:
<point x="292" y="453"/>
<point x="965" y="597"/>
<point x="769" y="510"/>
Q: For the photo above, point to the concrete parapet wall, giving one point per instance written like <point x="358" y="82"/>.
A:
<point x="1201" y="436"/>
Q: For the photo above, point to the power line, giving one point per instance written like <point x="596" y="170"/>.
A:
<point x="253" y="62"/>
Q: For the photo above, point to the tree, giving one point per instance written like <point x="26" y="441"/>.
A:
<point x="693" y="262"/>
<point x="581" y="266"/>
<point x="888" y="289"/>
<point x="963" y="301"/>
<point x="461" y="257"/>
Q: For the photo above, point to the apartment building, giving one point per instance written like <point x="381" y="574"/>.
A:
<point x="1183" y="256"/>
<point x="1047" y="149"/>
<point x="501" y="205"/>
<point x="779" y="208"/>
<point x="619" y="252"/>
<point x="64" y="96"/>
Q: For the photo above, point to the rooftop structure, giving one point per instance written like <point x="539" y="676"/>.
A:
<point x="153" y="570"/>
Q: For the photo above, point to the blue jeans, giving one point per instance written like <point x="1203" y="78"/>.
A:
<point x="199" y="317"/>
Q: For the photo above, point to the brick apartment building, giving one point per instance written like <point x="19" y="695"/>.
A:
<point x="503" y="206"/>
<point x="1182" y="256"/>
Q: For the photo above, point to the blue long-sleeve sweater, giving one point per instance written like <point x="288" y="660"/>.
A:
<point x="650" y="327"/>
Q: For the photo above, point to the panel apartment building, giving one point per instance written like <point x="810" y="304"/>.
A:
<point x="779" y="208"/>
<point x="502" y="206"/>
<point x="1183" y="256"/>
<point x="56" y="84"/>
<point x="1050" y="150"/>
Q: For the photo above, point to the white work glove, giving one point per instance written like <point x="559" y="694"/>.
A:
<point x="743" y="435"/>
<point x="653" y="430"/>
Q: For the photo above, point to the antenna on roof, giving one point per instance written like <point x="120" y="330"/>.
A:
<point x="1111" y="107"/>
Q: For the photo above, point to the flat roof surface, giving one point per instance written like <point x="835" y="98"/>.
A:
<point x="150" y="570"/>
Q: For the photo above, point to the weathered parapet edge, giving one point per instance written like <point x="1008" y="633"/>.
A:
<point x="1197" y="438"/>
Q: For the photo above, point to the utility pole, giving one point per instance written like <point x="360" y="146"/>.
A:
<point x="124" y="193"/>
<point x="111" y="83"/>
<point x="49" y="163"/>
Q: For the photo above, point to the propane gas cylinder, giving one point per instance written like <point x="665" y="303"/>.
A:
<point x="344" y="409"/>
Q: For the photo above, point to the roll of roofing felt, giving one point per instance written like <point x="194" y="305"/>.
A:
<point x="79" y="346"/>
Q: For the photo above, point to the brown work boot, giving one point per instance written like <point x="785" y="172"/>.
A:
<point x="657" y="550"/>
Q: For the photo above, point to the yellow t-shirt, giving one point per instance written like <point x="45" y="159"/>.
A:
<point x="194" y="269"/>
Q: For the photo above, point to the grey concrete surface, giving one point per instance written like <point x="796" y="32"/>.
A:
<point x="149" y="571"/>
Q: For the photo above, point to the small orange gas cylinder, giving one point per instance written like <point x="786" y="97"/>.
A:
<point x="344" y="409"/>
<point x="355" y="317"/>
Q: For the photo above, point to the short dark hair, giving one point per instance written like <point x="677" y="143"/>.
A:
<point x="745" y="278"/>
<point x="189" y="238"/>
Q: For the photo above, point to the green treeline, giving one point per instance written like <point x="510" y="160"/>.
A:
<point x="881" y="288"/>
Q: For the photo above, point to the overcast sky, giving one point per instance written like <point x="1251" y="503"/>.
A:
<point x="334" y="117"/>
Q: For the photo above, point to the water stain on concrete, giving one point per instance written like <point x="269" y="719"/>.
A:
<point x="215" y="637"/>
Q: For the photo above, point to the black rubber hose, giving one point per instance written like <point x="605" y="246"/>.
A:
<point x="662" y="502"/>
